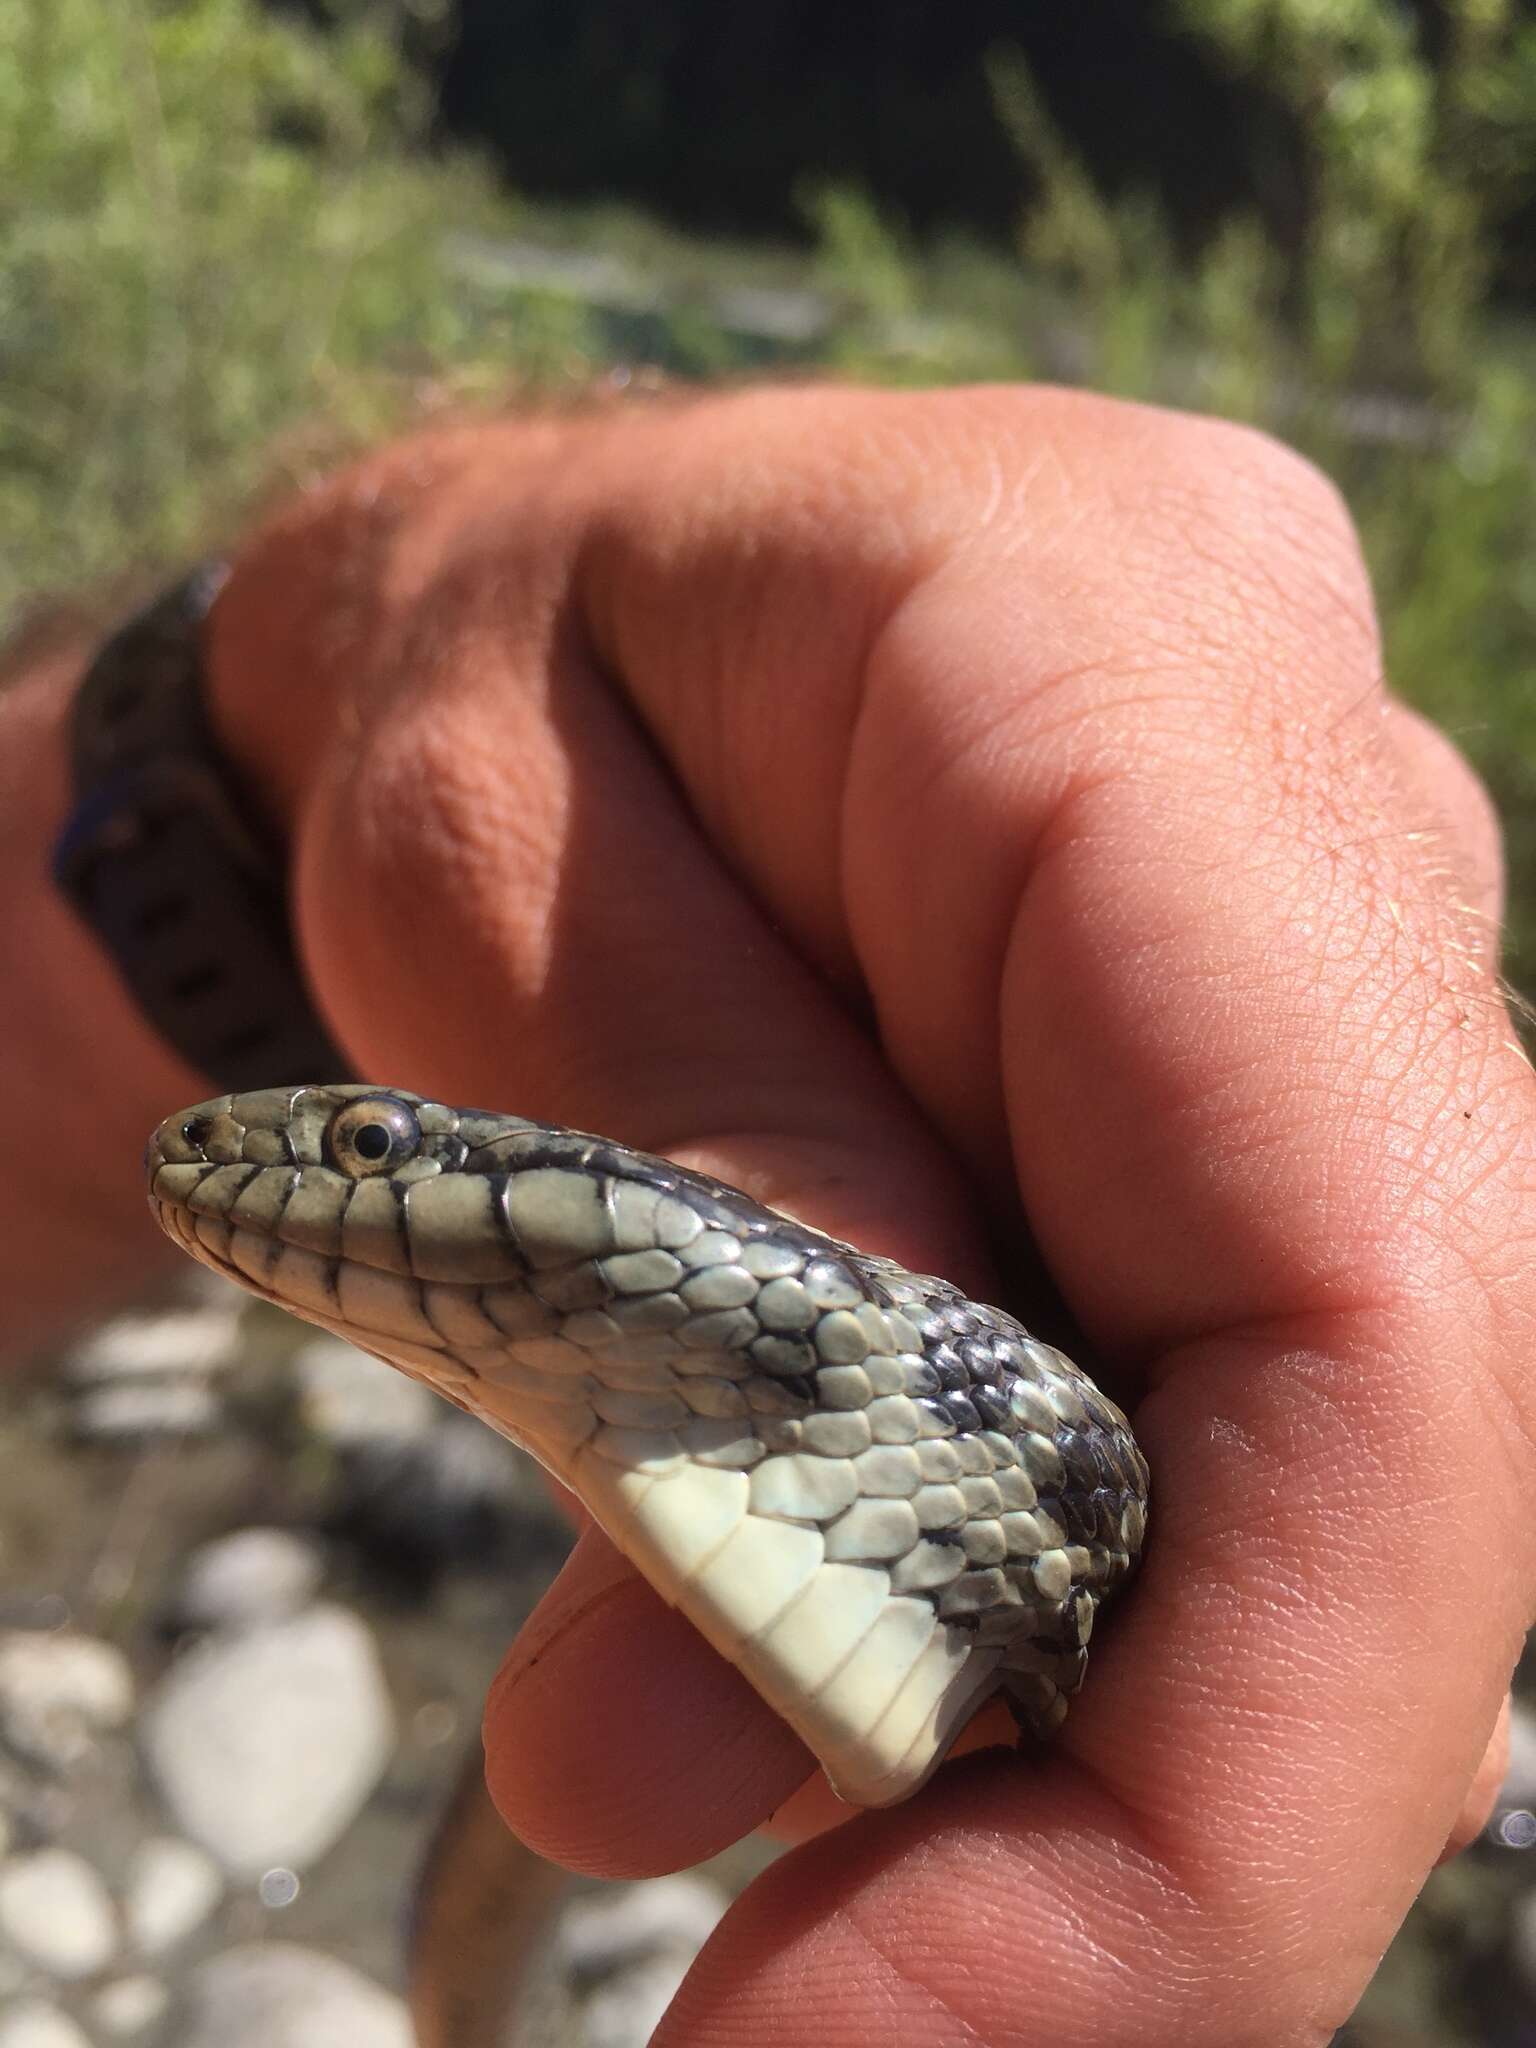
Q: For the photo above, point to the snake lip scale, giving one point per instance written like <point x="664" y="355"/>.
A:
<point x="880" y="1500"/>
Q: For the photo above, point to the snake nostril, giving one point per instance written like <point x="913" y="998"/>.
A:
<point x="196" y="1128"/>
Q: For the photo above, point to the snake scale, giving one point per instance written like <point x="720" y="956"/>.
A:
<point x="878" y="1499"/>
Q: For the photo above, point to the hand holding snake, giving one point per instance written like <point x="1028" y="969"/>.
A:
<point x="927" y="813"/>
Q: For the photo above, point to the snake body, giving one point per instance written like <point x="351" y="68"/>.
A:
<point x="880" y="1500"/>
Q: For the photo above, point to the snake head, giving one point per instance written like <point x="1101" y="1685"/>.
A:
<point x="879" y="1500"/>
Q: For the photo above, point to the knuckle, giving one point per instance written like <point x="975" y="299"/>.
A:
<point x="1206" y="528"/>
<point x="1275" y="540"/>
<point x="1287" y="486"/>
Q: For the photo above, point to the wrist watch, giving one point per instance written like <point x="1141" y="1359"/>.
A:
<point x="166" y="859"/>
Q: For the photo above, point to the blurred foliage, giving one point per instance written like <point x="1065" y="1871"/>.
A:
<point x="709" y="115"/>
<point x="213" y="231"/>
<point x="228" y="253"/>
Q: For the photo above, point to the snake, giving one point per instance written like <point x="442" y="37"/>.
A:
<point x="882" y="1501"/>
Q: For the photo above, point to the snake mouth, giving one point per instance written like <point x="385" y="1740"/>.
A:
<point x="393" y="1330"/>
<point x="366" y="1260"/>
<point x="481" y="1254"/>
<point x="352" y="1206"/>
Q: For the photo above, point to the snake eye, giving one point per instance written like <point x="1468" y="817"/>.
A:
<point x="373" y="1134"/>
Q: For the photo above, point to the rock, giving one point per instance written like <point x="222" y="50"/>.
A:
<point x="632" y="1947"/>
<point x="170" y="1889"/>
<point x="139" y="1409"/>
<point x="1519" y="1787"/>
<point x="265" y="1744"/>
<point x="33" y="2023"/>
<point x="351" y="1399"/>
<point x="279" y="1995"/>
<point x="56" y="1913"/>
<point x="469" y="1473"/>
<point x="249" y="1576"/>
<point x="457" y="1492"/>
<point x="635" y="1922"/>
<point x="129" y="2005"/>
<point x="199" y="1340"/>
<point x="58" y="1693"/>
<point x="36" y="1806"/>
<point x="626" y="2010"/>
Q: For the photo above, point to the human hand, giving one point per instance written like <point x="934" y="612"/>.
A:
<point x="900" y="806"/>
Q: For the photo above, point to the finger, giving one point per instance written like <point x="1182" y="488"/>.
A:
<point x="605" y="1669"/>
<point x="1483" y="1792"/>
<point x="1463" y="847"/>
<point x="602" y="1635"/>
<point x="1112" y="616"/>
<point x="503" y="898"/>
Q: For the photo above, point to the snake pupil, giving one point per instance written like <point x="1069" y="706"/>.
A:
<point x="196" y="1129"/>
<point x="372" y="1134"/>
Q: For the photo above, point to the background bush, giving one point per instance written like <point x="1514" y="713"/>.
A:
<point x="227" y="251"/>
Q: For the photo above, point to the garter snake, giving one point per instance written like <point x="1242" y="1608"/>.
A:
<point x="880" y="1500"/>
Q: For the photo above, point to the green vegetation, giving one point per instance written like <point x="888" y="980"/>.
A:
<point x="216" y="248"/>
<point x="227" y="254"/>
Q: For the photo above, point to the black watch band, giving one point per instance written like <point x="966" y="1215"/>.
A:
<point x="166" y="861"/>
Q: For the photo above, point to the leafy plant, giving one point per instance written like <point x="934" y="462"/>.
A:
<point x="211" y="230"/>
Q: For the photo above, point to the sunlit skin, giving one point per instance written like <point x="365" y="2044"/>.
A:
<point x="902" y="806"/>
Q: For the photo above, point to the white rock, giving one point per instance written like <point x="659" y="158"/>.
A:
<point x="351" y="1399"/>
<point x="1519" y="1787"/>
<point x="32" y="2023"/>
<point x="56" y="1913"/>
<point x="129" y="2005"/>
<point x="251" y="1575"/>
<point x="633" y="1944"/>
<point x="627" y="2009"/>
<point x="465" y="1469"/>
<point x="278" y="1995"/>
<point x="147" y="1408"/>
<point x="59" y="1692"/>
<point x="633" y="1923"/>
<point x="188" y="1340"/>
<point x="170" y="1889"/>
<point x="266" y="1744"/>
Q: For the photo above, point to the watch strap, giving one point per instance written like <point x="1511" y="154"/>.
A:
<point x="167" y="861"/>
